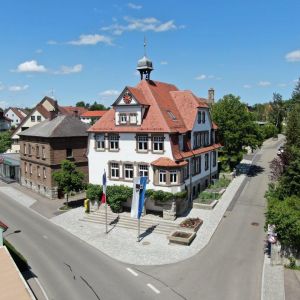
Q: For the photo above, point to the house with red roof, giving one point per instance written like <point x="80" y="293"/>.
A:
<point x="42" y="111"/>
<point x="16" y="115"/>
<point x="91" y="116"/>
<point x="155" y="130"/>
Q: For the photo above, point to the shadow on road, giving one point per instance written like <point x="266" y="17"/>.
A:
<point x="255" y="170"/>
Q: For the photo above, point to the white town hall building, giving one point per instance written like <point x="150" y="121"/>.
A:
<point x="158" y="131"/>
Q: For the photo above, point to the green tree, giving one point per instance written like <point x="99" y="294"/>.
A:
<point x="97" y="106"/>
<point x="296" y="92"/>
<point x="5" y="141"/>
<point x="80" y="104"/>
<point x="293" y="127"/>
<point x="260" y="112"/>
<point x="277" y="113"/>
<point x="94" y="192"/>
<point x="237" y="128"/>
<point x="69" y="179"/>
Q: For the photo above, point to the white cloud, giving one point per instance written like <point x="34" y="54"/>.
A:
<point x="109" y="93"/>
<point x="18" y="88"/>
<point x="31" y="66"/>
<point x="65" y="70"/>
<point x="91" y="39"/>
<point x="164" y="62"/>
<point x="3" y="104"/>
<point x="134" y="6"/>
<point x="247" y="86"/>
<point x="293" y="56"/>
<point x="146" y="24"/>
<point x="39" y="51"/>
<point x="264" y="83"/>
<point x="282" y="84"/>
<point x="201" y="77"/>
<point x="52" y="42"/>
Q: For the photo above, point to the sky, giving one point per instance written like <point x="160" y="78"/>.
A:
<point x="88" y="50"/>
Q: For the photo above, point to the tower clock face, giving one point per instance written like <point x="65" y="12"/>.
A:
<point x="127" y="97"/>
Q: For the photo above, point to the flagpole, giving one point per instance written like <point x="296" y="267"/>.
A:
<point x="139" y="229"/>
<point x="106" y="216"/>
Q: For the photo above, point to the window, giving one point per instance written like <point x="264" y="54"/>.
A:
<point x="214" y="158"/>
<point x="158" y="143"/>
<point x="197" y="165"/>
<point x="69" y="152"/>
<point x="203" y="117"/>
<point x="142" y="142"/>
<point x="113" y="142"/>
<point x="114" y="170"/>
<point x="133" y="118"/>
<point x="100" y="142"/>
<point x="37" y="151"/>
<point x="44" y="172"/>
<point x="206" y="161"/>
<point x="199" y="117"/>
<point x="173" y="177"/>
<point x="25" y="149"/>
<point x="43" y="153"/>
<point x="162" y="176"/>
<point x="25" y="167"/>
<point x="128" y="171"/>
<point x="30" y="168"/>
<point x="32" y="118"/>
<point x="144" y="170"/>
<point x="38" y="171"/>
<point x="186" y="171"/>
<point x="39" y="118"/>
<point x="123" y="118"/>
<point x="29" y="149"/>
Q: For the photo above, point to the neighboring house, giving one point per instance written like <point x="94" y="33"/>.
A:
<point x="45" y="145"/>
<point x="5" y="122"/>
<point x="10" y="167"/>
<point x="73" y="110"/>
<point x="38" y="114"/>
<point x="158" y="131"/>
<point x="16" y="115"/>
<point x="90" y="117"/>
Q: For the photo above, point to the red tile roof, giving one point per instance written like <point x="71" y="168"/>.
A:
<point x="93" y="113"/>
<point x="169" y="110"/>
<point x="3" y="226"/>
<point x="167" y="162"/>
<point x="71" y="110"/>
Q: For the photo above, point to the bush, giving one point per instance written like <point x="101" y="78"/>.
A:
<point x="208" y="195"/>
<point x="269" y="130"/>
<point x="221" y="183"/>
<point x="18" y="258"/>
<point x="116" y="194"/>
<point x="94" y="192"/>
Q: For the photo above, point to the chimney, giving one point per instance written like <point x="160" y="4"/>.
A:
<point x="52" y="115"/>
<point x="211" y="95"/>
<point x="76" y="113"/>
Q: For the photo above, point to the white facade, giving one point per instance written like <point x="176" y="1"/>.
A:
<point x="16" y="120"/>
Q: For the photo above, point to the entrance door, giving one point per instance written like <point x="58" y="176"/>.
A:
<point x="12" y="172"/>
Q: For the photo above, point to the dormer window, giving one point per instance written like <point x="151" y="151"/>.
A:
<point x="123" y="118"/>
<point x="133" y="118"/>
<point x="203" y="117"/>
<point x="199" y="117"/>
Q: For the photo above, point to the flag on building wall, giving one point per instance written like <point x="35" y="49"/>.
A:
<point x="103" y="199"/>
<point x="138" y="197"/>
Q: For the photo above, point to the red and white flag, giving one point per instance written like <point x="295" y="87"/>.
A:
<point x="103" y="199"/>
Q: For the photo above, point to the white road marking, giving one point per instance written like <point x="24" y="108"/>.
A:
<point x="132" y="272"/>
<point x="45" y="237"/>
<point x="153" y="288"/>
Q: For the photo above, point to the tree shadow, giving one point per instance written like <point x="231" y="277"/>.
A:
<point x="255" y="170"/>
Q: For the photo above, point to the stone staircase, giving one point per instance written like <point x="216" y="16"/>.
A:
<point x="149" y="223"/>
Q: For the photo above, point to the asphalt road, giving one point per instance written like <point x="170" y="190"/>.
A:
<point x="67" y="267"/>
<point x="230" y="266"/>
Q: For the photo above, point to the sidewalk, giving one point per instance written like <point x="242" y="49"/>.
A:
<point x="154" y="249"/>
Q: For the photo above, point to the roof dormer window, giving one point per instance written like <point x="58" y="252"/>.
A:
<point x="123" y="118"/>
<point x="133" y="118"/>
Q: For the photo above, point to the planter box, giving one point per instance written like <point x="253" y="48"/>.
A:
<point x="181" y="237"/>
<point x="196" y="227"/>
<point x="210" y="206"/>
